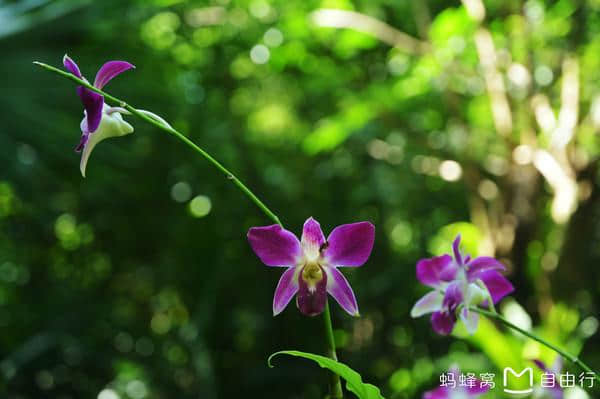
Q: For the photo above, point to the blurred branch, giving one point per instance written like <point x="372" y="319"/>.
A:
<point x="563" y="184"/>
<point x="567" y="117"/>
<point x="475" y="9"/>
<point x="493" y="81"/>
<point x="544" y="115"/>
<point x="554" y="164"/>
<point x="332" y="18"/>
<point x="422" y="17"/>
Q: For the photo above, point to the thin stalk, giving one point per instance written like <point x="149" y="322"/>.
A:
<point x="167" y="128"/>
<point x="335" y="385"/>
<point x="566" y="355"/>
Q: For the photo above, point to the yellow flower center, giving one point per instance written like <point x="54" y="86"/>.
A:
<point x="312" y="274"/>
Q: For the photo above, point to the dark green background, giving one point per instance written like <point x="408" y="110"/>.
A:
<point x="109" y="283"/>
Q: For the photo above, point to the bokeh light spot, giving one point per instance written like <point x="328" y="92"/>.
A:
<point x="108" y="394"/>
<point x="450" y="170"/>
<point x="260" y="54"/>
<point x="181" y="191"/>
<point x="273" y="37"/>
<point x="200" y="206"/>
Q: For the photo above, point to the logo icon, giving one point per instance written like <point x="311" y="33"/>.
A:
<point x="528" y="371"/>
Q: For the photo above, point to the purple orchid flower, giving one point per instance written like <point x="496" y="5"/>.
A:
<point x="471" y="389"/>
<point x="100" y="120"/>
<point x="459" y="283"/>
<point x="312" y="263"/>
<point x="550" y="388"/>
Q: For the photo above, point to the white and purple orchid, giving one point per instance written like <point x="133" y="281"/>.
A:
<point x="313" y="263"/>
<point x="100" y="121"/>
<point x="468" y="390"/>
<point x="459" y="283"/>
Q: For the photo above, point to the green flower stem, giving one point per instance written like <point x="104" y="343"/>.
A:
<point x="335" y="385"/>
<point x="566" y="355"/>
<point x="171" y="131"/>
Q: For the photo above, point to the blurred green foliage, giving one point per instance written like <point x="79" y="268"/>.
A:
<point x="428" y="118"/>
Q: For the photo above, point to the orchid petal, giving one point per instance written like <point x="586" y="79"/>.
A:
<point x="482" y="264"/>
<point x="274" y="245"/>
<point x="556" y="391"/>
<point x="350" y="244"/>
<point x="339" y="288"/>
<point x="470" y="320"/>
<point x="453" y="296"/>
<point x="475" y="295"/>
<point x="429" y="271"/>
<point x="111" y="125"/>
<point x="557" y="366"/>
<point x="455" y="248"/>
<point x="93" y="104"/>
<point x="442" y="322"/>
<point x="109" y="70"/>
<point x="429" y="303"/>
<point x="311" y="300"/>
<point x="71" y="66"/>
<point x="438" y="393"/>
<point x="312" y="239"/>
<point x="497" y="284"/>
<point x="541" y="365"/>
<point x="285" y="291"/>
<point x="85" y="133"/>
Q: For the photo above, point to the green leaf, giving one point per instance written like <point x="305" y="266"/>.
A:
<point x="354" y="381"/>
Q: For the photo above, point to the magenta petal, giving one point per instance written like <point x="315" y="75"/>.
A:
<point x="93" y="103"/>
<point x="453" y="296"/>
<point x="442" y="322"/>
<point x="497" y="284"/>
<point x="482" y="264"/>
<point x="82" y="142"/>
<point x="438" y="393"/>
<point x="339" y="288"/>
<point x="109" y="70"/>
<point x="429" y="271"/>
<point x="312" y="238"/>
<point x="71" y="66"/>
<point x="350" y="244"/>
<point x="456" y="249"/>
<point x="311" y="300"/>
<point x="541" y="365"/>
<point x="274" y="245"/>
<point x="85" y="134"/>
<point x="285" y="291"/>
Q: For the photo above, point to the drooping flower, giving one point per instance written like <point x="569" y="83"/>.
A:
<point x="100" y="121"/>
<point x="312" y="263"/>
<point x="452" y="388"/>
<point x="550" y="388"/>
<point x="458" y="283"/>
